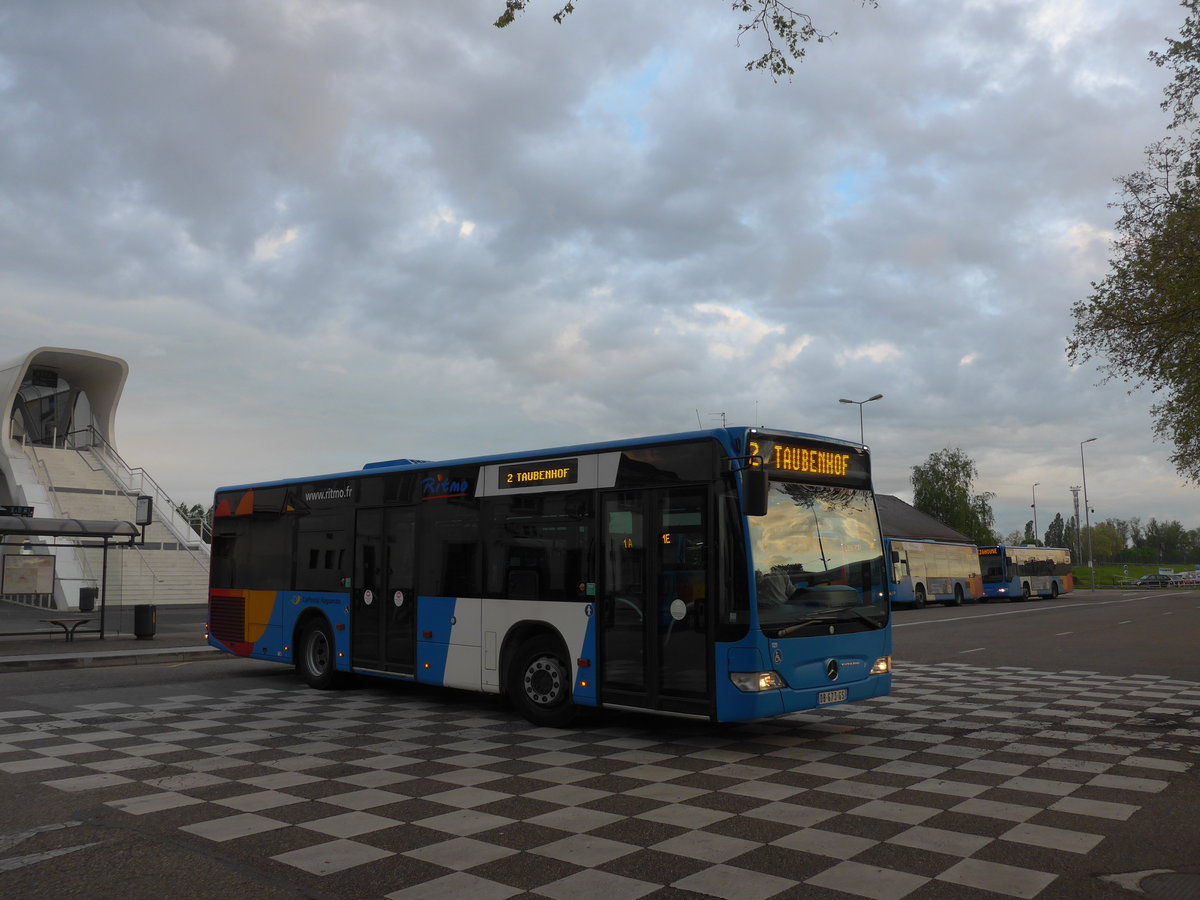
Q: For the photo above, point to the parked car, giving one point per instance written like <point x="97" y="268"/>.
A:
<point x="1154" y="581"/>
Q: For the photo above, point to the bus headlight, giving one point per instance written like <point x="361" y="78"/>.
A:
<point x="753" y="682"/>
<point x="882" y="666"/>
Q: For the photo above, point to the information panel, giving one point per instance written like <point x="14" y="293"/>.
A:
<point x="537" y="474"/>
<point x="28" y="574"/>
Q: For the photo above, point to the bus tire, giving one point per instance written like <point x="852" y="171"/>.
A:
<point x="919" y="597"/>
<point x="316" y="660"/>
<point x="539" y="682"/>
<point x="1025" y="592"/>
<point x="958" y="596"/>
<point x="1054" y="590"/>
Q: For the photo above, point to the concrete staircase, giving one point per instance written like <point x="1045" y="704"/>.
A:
<point x="170" y="567"/>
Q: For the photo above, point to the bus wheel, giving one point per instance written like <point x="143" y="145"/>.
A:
<point x="315" y="660"/>
<point x="539" y="683"/>
<point x="958" y="596"/>
<point x="1025" y="592"/>
<point x="919" y="597"/>
<point x="1054" y="590"/>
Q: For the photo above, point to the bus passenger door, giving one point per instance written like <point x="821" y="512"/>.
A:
<point x="624" y="599"/>
<point x="383" y="627"/>
<point x="899" y="565"/>
<point x="400" y="596"/>
<point x="654" y="600"/>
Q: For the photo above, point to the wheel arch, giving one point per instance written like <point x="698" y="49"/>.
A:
<point x="518" y="634"/>
<point x="304" y="620"/>
<point x="337" y="636"/>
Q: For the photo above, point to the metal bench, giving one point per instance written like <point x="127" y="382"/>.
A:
<point x="69" y="624"/>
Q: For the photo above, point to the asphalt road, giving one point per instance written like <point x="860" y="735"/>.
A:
<point x="1042" y="749"/>
<point x="1112" y="632"/>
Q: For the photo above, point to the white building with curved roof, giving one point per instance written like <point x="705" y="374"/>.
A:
<point x="59" y="456"/>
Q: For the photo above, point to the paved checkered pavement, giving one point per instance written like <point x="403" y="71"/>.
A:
<point x="409" y="793"/>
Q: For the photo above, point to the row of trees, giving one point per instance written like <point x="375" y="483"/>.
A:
<point x="944" y="488"/>
<point x="1118" y="540"/>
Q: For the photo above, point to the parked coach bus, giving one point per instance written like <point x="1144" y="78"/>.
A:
<point x="1023" y="572"/>
<point x="928" y="571"/>
<point x="730" y="574"/>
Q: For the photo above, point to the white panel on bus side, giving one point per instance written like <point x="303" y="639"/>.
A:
<point x="468" y="621"/>
<point x="571" y="620"/>
<point x="462" y="668"/>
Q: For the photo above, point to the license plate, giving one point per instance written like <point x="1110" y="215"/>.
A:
<point x="832" y="696"/>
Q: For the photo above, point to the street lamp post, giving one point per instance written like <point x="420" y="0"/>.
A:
<point x="1035" y="532"/>
<point x="860" y="404"/>
<point x="1087" y="518"/>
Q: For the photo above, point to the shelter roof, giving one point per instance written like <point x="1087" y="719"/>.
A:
<point x="67" y="527"/>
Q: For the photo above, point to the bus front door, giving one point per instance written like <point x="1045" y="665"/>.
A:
<point x="383" y="626"/>
<point x="654" y="602"/>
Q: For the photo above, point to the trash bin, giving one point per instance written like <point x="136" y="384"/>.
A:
<point x="145" y="616"/>
<point x="87" y="599"/>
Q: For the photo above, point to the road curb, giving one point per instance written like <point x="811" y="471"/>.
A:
<point x="103" y="658"/>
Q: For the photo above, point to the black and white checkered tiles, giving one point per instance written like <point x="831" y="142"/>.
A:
<point x="410" y="793"/>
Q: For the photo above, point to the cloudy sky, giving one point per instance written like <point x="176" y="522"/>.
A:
<point x="323" y="233"/>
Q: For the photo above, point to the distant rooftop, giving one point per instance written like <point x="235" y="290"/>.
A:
<point x="898" y="519"/>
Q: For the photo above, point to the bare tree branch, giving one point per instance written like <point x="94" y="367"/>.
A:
<point x="785" y="30"/>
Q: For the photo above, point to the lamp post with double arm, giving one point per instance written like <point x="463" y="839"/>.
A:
<point x="860" y="404"/>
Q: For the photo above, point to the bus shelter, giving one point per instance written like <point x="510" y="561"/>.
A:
<point x="27" y="570"/>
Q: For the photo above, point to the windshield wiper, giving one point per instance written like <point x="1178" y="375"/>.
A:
<point x="829" y="620"/>
<point x="863" y="617"/>
<point x="814" y="620"/>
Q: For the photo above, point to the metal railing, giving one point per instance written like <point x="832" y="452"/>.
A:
<point x="139" y="481"/>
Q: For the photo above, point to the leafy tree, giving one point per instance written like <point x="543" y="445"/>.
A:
<point x="943" y="488"/>
<point x="1030" y="537"/>
<point x="1136" y="536"/>
<point x="1122" y="529"/>
<point x="777" y="21"/>
<point x="1169" y="541"/>
<point x="1106" y="543"/>
<point x="1012" y="539"/>
<point x="1143" y="317"/>
<point x="1054" y="534"/>
<point x="1071" y="540"/>
<point x="1140" y="555"/>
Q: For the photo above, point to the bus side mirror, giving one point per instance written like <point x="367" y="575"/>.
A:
<point x="755" y="489"/>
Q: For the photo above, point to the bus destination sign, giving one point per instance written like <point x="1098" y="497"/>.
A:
<point x="826" y="463"/>
<point x="536" y="474"/>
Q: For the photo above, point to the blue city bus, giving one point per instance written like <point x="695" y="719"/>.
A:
<point x="925" y="571"/>
<point x="1021" y="573"/>
<point x="729" y="575"/>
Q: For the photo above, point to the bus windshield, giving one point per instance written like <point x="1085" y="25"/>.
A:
<point x="818" y="561"/>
